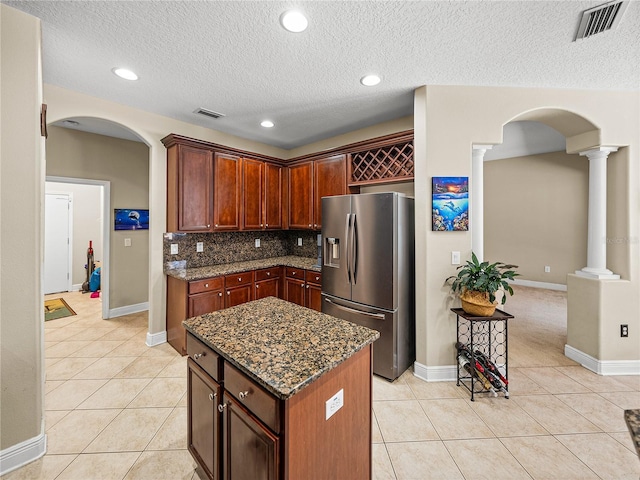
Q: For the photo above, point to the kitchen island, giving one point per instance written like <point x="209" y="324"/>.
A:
<point x="279" y="391"/>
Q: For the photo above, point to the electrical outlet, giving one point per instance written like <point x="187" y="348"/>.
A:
<point x="455" y="258"/>
<point x="199" y="246"/>
<point x="174" y="249"/>
<point x="299" y="241"/>
<point x="127" y="242"/>
<point x="334" y="404"/>
<point x="624" y="330"/>
<point x="547" y="269"/>
<point x="257" y="243"/>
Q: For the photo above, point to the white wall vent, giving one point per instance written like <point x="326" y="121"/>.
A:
<point x="208" y="113"/>
<point x="600" y="19"/>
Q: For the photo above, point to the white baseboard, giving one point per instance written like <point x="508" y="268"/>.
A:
<point x="603" y="367"/>
<point x="534" y="284"/>
<point x="128" y="309"/>
<point x="25" y="452"/>
<point x="446" y="373"/>
<point x="76" y="287"/>
<point x="154" y="339"/>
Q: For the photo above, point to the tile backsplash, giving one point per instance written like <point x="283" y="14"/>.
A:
<point x="229" y="247"/>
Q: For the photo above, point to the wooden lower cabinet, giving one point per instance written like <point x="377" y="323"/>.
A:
<point x="313" y="294"/>
<point x="203" y="425"/>
<point x="258" y="436"/>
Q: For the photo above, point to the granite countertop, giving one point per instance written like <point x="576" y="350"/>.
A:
<point x="227" y="268"/>
<point x="281" y="345"/>
<point x="632" y="417"/>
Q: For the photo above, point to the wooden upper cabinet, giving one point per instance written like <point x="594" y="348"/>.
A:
<point x="226" y="192"/>
<point x="301" y="196"/>
<point x="262" y="185"/>
<point x="329" y="179"/>
<point x="273" y="196"/>
<point x="189" y="189"/>
<point x="252" y="186"/>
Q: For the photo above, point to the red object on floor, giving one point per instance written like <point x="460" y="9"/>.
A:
<point x="95" y="294"/>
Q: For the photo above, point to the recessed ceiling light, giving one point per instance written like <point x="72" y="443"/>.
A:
<point x="124" y="73"/>
<point x="267" y="123"/>
<point x="294" y="21"/>
<point x="370" y="80"/>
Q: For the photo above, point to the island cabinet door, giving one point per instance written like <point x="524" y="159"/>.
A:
<point x="294" y="291"/>
<point x="204" y="425"/>
<point x="251" y="451"/>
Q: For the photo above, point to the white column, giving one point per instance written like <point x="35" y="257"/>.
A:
<point x="476" y="209"/>
<point x="597" y="219"/>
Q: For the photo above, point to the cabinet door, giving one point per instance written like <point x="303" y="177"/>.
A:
<point x="329" y="179"/>
<point x="252" y="188"/>
<point x="203" y="419"/>
<point x="250" y="450"/>
<point x="273" y="195"/>
<point x="313" y="298"/>
<point x="267" y="288"/>
<point x="202" y="303"/>
<point x="226" y="192"/>
<point x="300" y="196"/>
<point x="294" y="291"/>
<point x="194" y="196"/>
<point x="237" y="295"/>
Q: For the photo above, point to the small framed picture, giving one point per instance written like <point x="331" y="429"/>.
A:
<point x="129" y="219"/>
<point x="450" y="204"/>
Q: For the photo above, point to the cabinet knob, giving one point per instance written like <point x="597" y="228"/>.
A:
<point x="261" y="225"/>
<point x="309" y="225"/>
<point x="206" y="285"/>
<point x="317" y="278"/>
<point x="228" y="292"/>
<point x="239" y="279"/>
<point x="257" y="287"/>
<point x="307" y="286"/>
<point x="302" y="285"/>
<point x="293" y="273"/>
<point x="212" y="396"/>
<point x="243" y="395"/>
<point x="197" y="356"/>
<point x="216" y="225"/>
<point x="268" y="274"/>
<point x="221" y="407"/>
<point x="209" y="226"/>
<point x="315" y="225"/>
<point x="267" y="224"/>
<point x="219" y="294"/>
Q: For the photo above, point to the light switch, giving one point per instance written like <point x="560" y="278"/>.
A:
<point x="455" y="258"/>
<point x="199" y="247"/>
<point x="127" y="242"/>
<point x="299" y="241"/>
<point x="174" y="249"/>
<point x="257" y="242"/>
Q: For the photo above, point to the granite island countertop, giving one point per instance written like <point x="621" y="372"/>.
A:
<point x="199" y="273"/>
<point x="281" y="345"/>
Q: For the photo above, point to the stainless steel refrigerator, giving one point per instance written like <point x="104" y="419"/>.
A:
<point x="368" y="271"/>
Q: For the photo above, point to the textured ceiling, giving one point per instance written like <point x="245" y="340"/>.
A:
<point x="234" y="58"/>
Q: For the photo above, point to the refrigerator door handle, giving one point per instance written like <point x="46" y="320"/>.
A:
<point x="354" y="248"/>
<point x="347" y="228"/>
<point x="353" y="310"/>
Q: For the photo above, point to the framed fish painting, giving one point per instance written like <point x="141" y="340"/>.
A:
<point x="450" y="204"/>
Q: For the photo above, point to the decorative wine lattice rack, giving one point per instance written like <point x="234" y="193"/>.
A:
<point x="482" y="336"/>
<point x="389" y="163"/>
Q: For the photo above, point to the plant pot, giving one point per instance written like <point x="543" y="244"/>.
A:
<point x="477" y="303"/>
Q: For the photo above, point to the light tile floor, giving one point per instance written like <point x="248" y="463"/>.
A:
<point x="116" y="409"/>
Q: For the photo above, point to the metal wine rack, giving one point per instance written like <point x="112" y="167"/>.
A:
<point x="487" y="335"/>
<point x="390" y="163"/>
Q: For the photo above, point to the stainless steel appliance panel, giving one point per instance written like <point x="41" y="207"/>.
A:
<point x="373" y="251"/>
<point x="336" y="228"/>
<point x="384" y="358"/>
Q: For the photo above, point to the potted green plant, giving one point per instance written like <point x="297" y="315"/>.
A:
<point x="478" y="282"/>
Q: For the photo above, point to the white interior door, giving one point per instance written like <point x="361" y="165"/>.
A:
<point x="57" y="238"/>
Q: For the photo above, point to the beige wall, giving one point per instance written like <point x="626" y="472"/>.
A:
<point x="448" y="121"/>
<point x="542" y="202"/>
<point x="87" y="224"/>
<point x="125" y="164"/>
<point x="21" y="226"/>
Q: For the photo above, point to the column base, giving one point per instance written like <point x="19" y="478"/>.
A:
<point x="597" y="273"/>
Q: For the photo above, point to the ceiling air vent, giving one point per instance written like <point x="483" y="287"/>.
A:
<point x="600" y="19"/>
<point x="209" y="113"/>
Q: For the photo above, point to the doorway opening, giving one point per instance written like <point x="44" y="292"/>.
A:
<point x="89" y="223"/>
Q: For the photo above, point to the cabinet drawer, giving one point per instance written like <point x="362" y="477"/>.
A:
<point x="313" y="277"/>
<point x="267" y="273"/>
<point x="261" y="403"/>
<point x="295" y="273"/>
<point x="204" y="356"/>
<point x="206" y="285"/>
<point x="237" y="279"/>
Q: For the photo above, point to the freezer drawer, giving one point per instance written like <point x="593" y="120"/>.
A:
<point x="385" y="362"/>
